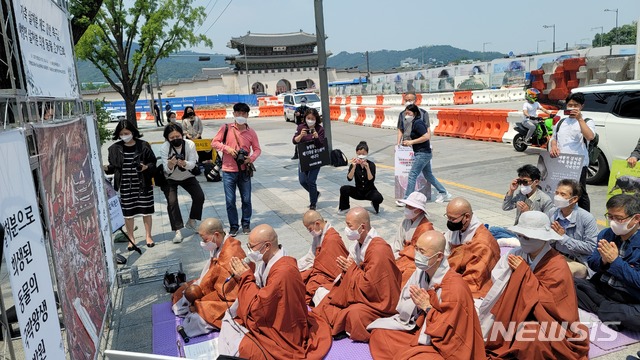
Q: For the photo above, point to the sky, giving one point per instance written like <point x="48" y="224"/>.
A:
<point x="358" y="25"/>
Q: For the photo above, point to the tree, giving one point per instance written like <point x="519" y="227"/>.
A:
<point x="158" y="27"/>
<point x="626" y="36"/>
<point x="84" y="12"/>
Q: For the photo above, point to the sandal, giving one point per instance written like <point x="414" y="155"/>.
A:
<point x="151" y="244"/>
<point x="130" y="248"/>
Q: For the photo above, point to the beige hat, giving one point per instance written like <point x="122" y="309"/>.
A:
<point x="535" y="225"/>
<point x="417" y="200"/>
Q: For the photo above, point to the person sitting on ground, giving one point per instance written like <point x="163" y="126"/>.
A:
<point x="578" y="228"/>
<point x="191" y="124"/>
<point x="318" y="267"/>
<point x="202" y="301"/>
<point x="363" y="172"/>
<point x="435" y="316"/>
<point x="471" y="249"/>
<point x="369" y="285"/>
<point x="632" y="160"/>
<point x="414" y="224"/>
<point x="533" y="289"/>
<point x="172" y="118"/>
<point x="528" y="197"/>
<point x="613" y="293"/>
<point x="270" y="318"/>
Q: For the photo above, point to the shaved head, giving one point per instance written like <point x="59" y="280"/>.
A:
<point x="310" y="217"/>
<point x="458" y="206"/>
<point x="431" y="242"/>
<point x="359" y="215"/>
<point x="263" y="233"/>
<point x="210" y="226"/>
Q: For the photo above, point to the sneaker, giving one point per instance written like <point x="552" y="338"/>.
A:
<point x="191" y="224"/>
<point x="233" y="232"/>
<point x="443" y="198"/>
<point x="246" y="230"/>
<point x="177" y="239"/>
<point x="312" y="207"/>
<point x="343" y="211"/>
<point x="400" y="204"/>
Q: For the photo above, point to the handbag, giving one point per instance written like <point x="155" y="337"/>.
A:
<point x="172" y="281"/>
<point x="159" y="178"/>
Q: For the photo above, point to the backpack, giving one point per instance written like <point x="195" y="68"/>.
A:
<point x="592" y="146"/>
<point x="338" y="158"/>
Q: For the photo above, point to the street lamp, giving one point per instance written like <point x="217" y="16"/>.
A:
<point x="616" y="11"/>
<point x="366" y="56"/>
<point x="484" y="44"/>
<point x="601" y="31"/>
<point x="538" y="46"/>
<point x="554" y="34"/>
<point x="246" y="66"/>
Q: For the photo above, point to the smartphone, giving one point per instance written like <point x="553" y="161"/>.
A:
<point x="568" y="111"/>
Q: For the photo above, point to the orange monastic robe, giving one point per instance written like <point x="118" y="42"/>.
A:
<point x="406" y="260"/>
<point x="452" y="325"/>
<point x="277" y="317"/>
<point x="475" y="259"/>
<point x="546" y="295"/>
<point x="211" y="307"/>
<point x="325" y="268"/>
<point x="364" y="293"/>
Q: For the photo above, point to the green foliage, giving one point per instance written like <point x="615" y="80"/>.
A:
<point x="159" y="27"/>
<point x="626" y="36"/>
<point x="102" y="119"/>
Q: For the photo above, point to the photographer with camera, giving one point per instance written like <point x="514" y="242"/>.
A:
<point x="310" y="130"/>
<point x="179" y="157"/>
<point x="133" y="163"/>
<point x="240" y="148"/>
<point x="299" y="117"/>
<point x="363" y="172"/>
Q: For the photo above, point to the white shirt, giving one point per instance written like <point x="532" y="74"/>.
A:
<point x="532" y="109"/>
<point x="191" y="157"/>
<point x="570" y="139"/>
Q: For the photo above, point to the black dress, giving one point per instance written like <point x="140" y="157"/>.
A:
<point x="134" y="198"/>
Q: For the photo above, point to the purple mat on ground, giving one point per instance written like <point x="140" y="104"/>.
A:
<point x="347" y="349"/>
<point x="595" y="351"/>
<point x="165" y="335"/>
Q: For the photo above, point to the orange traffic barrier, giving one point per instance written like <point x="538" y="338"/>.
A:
<point x="462" y="97"/>
<point x="377" y="122"/>
<point x="274" y="110"/>
<point x="360" y="110"/>
<point x="418" y="99"/>
<point x="334" y="112"/>
<point x="338" y="100"/>
<point x="358" y="100"/>
<point x="493" y="125"/>
<point x="379" y="99"/>
<point x="347" y="100"/>
<point x="469" y="124"/>
<point x="347" y="113"/>
<point x="448" y="122"/>
<point x="219" y="114"/>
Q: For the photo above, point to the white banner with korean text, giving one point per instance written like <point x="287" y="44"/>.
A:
<point x="46" y="49"/>
<point x="403" y="162"/>
<point x="25" y="253"/>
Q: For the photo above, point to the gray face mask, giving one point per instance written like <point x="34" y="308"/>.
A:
<point x="530" y="245"/>
<point x="422" y="261"/>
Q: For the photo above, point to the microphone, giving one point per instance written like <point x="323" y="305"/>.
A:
<point x="182" y="333"/>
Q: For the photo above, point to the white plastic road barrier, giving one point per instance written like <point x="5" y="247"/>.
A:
<point x="229" y="114"/>
<point x="516" y="94"/>
<point x="430" y="100"/>
<point x="369" y="100"/>
<point x="343" y="112"/>
<point x="392" y="100"/>
<point x="433" y="119"/>
<point x="513" y="118"/>
<point x="445" y="99"/>
<point x="481" y="96"/>
<point x="500" y="95"/>
<point x="371" y="116"/>
<point x="255" y="112"/>
<point x="391" y="117"/>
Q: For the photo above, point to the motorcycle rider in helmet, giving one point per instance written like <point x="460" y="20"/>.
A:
<point x="531" y="108"/>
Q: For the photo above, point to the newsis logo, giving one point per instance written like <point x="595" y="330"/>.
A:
<point x="553" y="331"/>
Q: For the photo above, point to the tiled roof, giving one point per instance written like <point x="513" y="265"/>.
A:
<point x="271" y="59"/>
<point x="288" y="39"/>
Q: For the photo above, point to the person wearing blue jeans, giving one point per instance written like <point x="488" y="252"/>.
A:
<point x="420" y="136"/>
<point x="242" y="180"/>
<point x="310" y="131"/>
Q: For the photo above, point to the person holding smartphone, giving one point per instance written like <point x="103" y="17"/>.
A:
<point x="310" y="130"/>
<point x="363" y="172"/>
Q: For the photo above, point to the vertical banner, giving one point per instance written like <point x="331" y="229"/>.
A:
<point x="46" y="49"/>
<point x="552" y="170"/>
<point x="103" y="210"/>
<point x="623" y="179"/>
<point x="65" y="162"/>
<point x="25" y="252"/>
<point x="403" y="163"/>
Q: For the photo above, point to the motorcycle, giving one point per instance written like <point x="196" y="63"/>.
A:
<point x="540" y="138"/>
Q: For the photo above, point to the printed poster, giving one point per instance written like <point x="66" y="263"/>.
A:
<point x="552" y="170"/>
<point x="623" y="179"/>
<point x="403" y="163"/>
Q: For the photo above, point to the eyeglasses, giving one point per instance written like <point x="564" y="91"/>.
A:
<point x="616" y="218"/>
<point x="453" y="219"/>
<point x="524" y="182"/>
<point x="251" y="247"/>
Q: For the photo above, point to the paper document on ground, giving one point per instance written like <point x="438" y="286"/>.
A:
<point x="203" y="350"/>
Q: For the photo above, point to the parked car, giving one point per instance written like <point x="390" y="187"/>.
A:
<point x="116" y="115"/>
<point x="615" y="108"/>
<point x="293" y="101"/>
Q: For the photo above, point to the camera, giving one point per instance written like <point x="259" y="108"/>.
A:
<point x="179" y="156"/>
<point x="242" y="155"/>
<point x="138" y="166"/>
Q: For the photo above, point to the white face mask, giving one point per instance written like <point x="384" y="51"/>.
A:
<point x="526" y="189"/>
<point x="411" y="213"/>
<point x="315" y="233"/>
<point x="362" y="157"/>
<point x="531" y="245"/>
<point x="408" y="102"/>
<point x="409" y="117"/>
<point x="621" y="228"/>
<point x="255" y="256"/>
<point x="241" y="120"/>
<point x="209" y="246"/>
<point x="422" y="261"/>
<point x="126" y="138"/>
<point x="352" y="235"/>
<point x="560" y="202"/>
<point x="311" y="123"/>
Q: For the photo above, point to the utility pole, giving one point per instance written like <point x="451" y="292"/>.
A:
<point x="366" y="54"/>
<point x="601" y="31"/>
<point x="246" y="66"/>
<point x="554" y="34"/>
<point x="485" y="44"/>
<point x="617" y="30"/>
<point x="322" y="72"/>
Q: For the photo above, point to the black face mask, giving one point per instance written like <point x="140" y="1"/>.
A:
<point x="454" y="226"/>
<point x="176" y="142"/>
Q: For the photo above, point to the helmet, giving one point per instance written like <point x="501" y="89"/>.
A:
<point x="531" y="94"/>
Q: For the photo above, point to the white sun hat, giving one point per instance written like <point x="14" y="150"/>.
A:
<point x="417" y="200"/>
<point x="535" y="225"/>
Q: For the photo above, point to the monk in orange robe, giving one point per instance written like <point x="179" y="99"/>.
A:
<point x="436" y="317"/>
<point x="318" y="267"/>
<point x="534" y="299"/>
<point x="471" y="249"/>
<point x="415" y="223"/>
<point x="270" y="317"/>
<point x="204" y="312"/>
<point x="369" y="285"/>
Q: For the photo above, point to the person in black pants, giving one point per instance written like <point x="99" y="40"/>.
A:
<point x="364" y="172"/>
